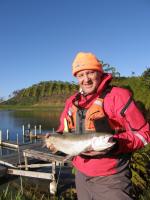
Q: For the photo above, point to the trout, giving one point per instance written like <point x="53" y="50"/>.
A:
<point x="75" y="144"/>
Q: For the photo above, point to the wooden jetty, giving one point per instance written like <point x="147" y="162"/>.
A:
<point x="29" y="156"/>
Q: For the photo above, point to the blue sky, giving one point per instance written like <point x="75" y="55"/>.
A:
<point x="40" y="38"/>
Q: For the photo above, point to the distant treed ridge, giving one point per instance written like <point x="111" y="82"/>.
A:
<point x="45" y="92"/>
<point x="56" y="92"/>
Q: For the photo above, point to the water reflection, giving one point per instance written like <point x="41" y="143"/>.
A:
<point x="14" y="120"/>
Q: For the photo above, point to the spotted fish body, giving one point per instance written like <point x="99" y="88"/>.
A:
<point x="75" y="144"/>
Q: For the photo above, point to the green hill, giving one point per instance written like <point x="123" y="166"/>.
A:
<point x="56" y="92"/>
<point x="43" y="93"/>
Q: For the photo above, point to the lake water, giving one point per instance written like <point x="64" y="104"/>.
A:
<point x="14" y="120"/>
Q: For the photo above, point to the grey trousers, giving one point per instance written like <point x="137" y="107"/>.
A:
<point x="114" y="187"/>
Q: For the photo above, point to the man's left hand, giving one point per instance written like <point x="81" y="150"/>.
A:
<point x="94" y="153"/>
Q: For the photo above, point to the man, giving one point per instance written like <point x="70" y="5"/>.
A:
<point x="101" y="108"/>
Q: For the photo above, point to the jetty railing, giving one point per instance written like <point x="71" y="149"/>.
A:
<point x="27" y="132"/>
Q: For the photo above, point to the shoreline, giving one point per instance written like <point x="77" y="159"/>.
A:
<point x="32" y="107"/>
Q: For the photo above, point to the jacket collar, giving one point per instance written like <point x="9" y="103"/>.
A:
<point x="83" y="101"/>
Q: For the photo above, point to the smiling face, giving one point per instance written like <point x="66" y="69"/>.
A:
<point x="89" y="80"/>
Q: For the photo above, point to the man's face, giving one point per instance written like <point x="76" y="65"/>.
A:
<point x="89" y="80"/>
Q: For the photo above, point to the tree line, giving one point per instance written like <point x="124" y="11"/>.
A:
<point x="57" y="91"/>
<point x="43" y="92"/>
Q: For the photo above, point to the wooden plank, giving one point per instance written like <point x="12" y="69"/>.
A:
<point x="13" y="158"/>
<point x="31" y="145"/>
<point x="9" y="144"/>
<point x="36" y="165"/>
<point x="32" y="174"/>
<point x="26" y="162"/>
<point x="42" y="155"/>
<point x="6" y="164"/>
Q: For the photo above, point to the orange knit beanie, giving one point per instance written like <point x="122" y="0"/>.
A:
<point x="86" y="61"/>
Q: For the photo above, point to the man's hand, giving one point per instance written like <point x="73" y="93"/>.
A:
<point x="91" y="152"/>
<point x="94" y="153"/>
<point x="50" y="146"/>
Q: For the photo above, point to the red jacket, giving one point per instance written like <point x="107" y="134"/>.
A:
<point x="118" y="107"/>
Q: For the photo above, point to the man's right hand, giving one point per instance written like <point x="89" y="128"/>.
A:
<point x="49" y="145"/>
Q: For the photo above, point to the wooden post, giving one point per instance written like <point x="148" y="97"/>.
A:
<point x="7" y="134"/>
<point x="17" y="139"/>
<point x="26" y="162"/>
<point x="23" y="139"/>
<point x="23" y="130"/>
<point x="35" y="130"/>
<point x="31" y="139"/>
<point x="40" y="130"/>
<point x="53" y="185"/>
<point x="29" y="128"/>
<point x="23" y="134"/>
<point x="54" y="168"/>
<point x="1" y="152"/>
<point x="0" y="137"/>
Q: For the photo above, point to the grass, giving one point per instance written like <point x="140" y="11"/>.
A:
<point x="9" y="194"/>
<point x="32" y="107"/>
<point x="69" y="194"/>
